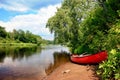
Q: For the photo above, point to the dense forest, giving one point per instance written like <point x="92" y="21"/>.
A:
<point x="90" y="26"/>
<point x="19" y="36"/>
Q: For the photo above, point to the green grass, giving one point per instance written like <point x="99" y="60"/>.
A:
<point x="17" y="44"/>
<point x="14" y="43"/>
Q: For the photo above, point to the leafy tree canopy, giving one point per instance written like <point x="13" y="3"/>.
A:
<point x="86" y="25"/>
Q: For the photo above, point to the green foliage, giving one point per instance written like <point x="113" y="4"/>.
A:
<point x="3" y="33"/>
<point x="110" y="70"/>
<point x="86" y="23"/>
<point x="83" y="49"/>
<point x="113" y="39"/>
<point x="66" y="22"/>
<point x="96" y="28"/>
<point x="19" y="36"/>
<point x="26" y="37"/>
<point x="60" y="25"/>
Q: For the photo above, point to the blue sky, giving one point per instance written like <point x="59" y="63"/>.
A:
<point x="29" y="15"/>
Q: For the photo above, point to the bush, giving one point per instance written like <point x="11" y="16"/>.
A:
<point x="83" y="49"/>
<point x="110" y="69"/>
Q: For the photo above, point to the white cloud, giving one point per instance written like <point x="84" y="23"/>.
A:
<point x="35" y="23"/>
<point x="25" y="5"/>
<point x="14" y="6"/>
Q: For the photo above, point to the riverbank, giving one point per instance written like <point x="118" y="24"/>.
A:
<point x="71" y="71"/>
<point x="17" y="44"/>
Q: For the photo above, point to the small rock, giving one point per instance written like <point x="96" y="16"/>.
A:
<point x="66" y="71"/>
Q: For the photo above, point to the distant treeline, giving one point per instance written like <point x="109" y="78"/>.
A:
<point x="18" y="36"/>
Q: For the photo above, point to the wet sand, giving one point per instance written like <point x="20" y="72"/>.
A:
<point x="71" y="71"/>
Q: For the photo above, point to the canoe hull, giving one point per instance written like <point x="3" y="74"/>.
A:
<point x="90" y="59"/>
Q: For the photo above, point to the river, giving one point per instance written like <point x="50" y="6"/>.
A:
<point x="31" y="63"/>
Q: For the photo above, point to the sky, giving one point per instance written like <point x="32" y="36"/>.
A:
<point x="31" y="15"/>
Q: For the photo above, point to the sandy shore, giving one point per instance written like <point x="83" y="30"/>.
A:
<point x="71" y="71"/>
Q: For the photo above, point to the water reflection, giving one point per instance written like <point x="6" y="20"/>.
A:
<point x="59" y="59"/>
<point x="30" y="63"/>
<point x="16" y="52"/>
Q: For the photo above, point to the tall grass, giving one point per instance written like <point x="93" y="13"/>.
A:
<point x="17" y="44"/>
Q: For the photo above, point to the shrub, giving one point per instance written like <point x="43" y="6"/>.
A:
<point x="110" y="69"/>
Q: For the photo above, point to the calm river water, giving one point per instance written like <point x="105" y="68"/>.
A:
<point x="30" y="63"/>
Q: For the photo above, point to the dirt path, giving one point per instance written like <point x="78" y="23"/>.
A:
<point x="71" y="71"/>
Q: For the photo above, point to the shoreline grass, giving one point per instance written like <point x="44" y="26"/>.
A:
<point x="17" y="44"/>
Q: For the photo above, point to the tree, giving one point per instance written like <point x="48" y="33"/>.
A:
<point x="98" y="23"/>
<point x="66" y="23"/>
<point x="3" y="33"/>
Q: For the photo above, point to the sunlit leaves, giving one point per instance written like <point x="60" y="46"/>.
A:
<point x="66" y="24"/>
<point x="110" y="69"/>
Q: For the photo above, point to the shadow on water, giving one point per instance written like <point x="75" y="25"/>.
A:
<point x="59" y="59"/>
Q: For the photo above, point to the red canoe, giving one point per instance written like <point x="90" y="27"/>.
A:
<point x="90" y="59"/>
